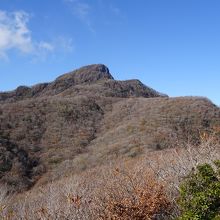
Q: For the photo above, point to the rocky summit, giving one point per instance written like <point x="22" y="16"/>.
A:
<point x="86" y="118"/>
<point x="93" y="78"/>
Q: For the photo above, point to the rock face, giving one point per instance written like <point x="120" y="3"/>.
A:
<point x="86" y="118"/>
<point x="86" y="74"/>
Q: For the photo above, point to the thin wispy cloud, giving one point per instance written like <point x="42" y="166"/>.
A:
<point x="16" y="35"/>
<point x="64" y="44"/>
<point x="88" y="12"/>
<point x="45" y="46"/>
<point x="115" y="10"/>
<point x="82" y="11"/>
<point x="59" y="45"/>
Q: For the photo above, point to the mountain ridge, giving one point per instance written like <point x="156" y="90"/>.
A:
<point x="85" y="119"/>
<point x="87" y="75"/>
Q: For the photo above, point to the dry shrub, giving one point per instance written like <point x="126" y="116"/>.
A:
<point x="5" y="214"/>
<point x="140" y="188"/>
<point x="125" y="192"/>
<point x="172" y="165"/>
<point x="130" y="194"/>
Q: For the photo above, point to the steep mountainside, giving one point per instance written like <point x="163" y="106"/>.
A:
<point x="86" y="118"/>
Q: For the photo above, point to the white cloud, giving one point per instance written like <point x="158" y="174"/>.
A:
<point x="14" y="32"/>
<point x="15" y="35"/>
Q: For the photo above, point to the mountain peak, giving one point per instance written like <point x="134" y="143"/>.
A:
<point x="94" y="79"/>
<point x="85" y="74"/>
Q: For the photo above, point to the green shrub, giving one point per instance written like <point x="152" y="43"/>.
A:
<point x="200" y="193"/>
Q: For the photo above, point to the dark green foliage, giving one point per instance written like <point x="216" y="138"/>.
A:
<point x="200" y="193"/>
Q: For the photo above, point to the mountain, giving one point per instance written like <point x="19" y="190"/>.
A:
<point x="84" y="119"/>
<point x="94" y="79"/>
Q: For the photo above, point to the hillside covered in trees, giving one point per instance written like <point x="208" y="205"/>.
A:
<point x="84" y="132"/>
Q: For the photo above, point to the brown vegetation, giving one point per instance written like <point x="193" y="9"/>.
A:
<point x="141" y="188"/>
<point x="96" y="148"/>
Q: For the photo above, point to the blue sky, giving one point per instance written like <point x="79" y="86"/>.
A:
<point x="170" y="45"/>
